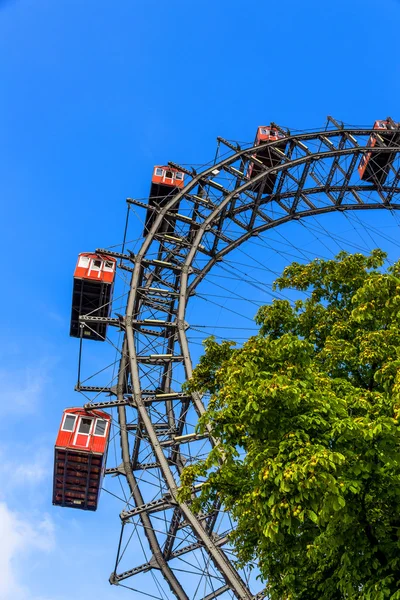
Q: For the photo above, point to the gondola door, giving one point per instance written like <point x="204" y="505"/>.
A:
<point x="83" y="432"/>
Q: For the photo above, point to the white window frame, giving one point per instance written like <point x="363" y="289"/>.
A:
<point x="109" y="269"/>
<point x="63" y="422"/>
<point x="95" y="268"/>
<point x="159" y="172"/>
<point x="105" y="430"/>
<point x="179" y="176"/>
<point x="84" y="262"/>
<point x="88" y="435"/>
<point x="172" y="175"/>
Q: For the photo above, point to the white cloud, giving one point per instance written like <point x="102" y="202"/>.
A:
<point x="20" y="539"/>
<point x="22" y="389"/>
<point x="14" y="472"/>
<point x="27" y="536"/>
<point x="38" y="552"/>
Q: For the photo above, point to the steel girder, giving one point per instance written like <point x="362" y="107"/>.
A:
<point x="219" y="209"/>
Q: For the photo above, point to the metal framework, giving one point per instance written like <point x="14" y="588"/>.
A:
<point x="218" y="210"/>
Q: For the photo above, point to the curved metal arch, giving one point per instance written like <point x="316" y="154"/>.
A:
<point x="258" y="230"/>
<point x="254" y="150"/>
<point x="187" y="289"/>
<point x="285" y="167"/>
<point x="175" y="268"/>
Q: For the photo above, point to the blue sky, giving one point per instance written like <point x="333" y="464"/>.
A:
<point x="93" y="94"/>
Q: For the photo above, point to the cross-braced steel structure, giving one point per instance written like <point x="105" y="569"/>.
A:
<point x="219" y="209"/>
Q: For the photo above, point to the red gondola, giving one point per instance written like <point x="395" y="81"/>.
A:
<point x="165" y="183"/>
<point x="92" y="292"/>
<point x="266" y="157"/>
<point x="80" y="457"/>
<point x="375" y="166"/>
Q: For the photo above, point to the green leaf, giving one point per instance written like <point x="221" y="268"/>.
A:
<point x="311" y="514"/>
<point x="307" y="414"/>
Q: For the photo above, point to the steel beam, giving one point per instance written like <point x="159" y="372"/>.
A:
<point x="159" y="431"/>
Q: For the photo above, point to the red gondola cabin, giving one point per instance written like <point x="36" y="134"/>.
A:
<point x="80" y="457"/>
<point x="165" y="183"/>
<point x="91" y="295"/>
<point x="266" y="157"/>
<point x="375" y="166"/>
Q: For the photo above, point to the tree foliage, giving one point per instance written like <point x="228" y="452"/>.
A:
<point x="307" y="414"/>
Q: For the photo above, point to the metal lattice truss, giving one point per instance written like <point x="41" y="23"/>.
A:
<point x="187" y="554"/>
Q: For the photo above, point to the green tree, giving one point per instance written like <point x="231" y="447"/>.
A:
<point x="307" y="414"/>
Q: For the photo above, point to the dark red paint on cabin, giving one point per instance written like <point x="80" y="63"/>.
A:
<point x="95" y="267"/>
<point x="91" y="295"/>
<point x="375" y="166"/>
<point x="167" y="176"/>
<point x="267" y="157"/>
<point x="165" y="183"/>
<point x="268" y="134"/>
<point x="80" y="457"/>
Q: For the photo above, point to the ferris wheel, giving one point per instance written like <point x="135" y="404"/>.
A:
<point x="138" y="301"/>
